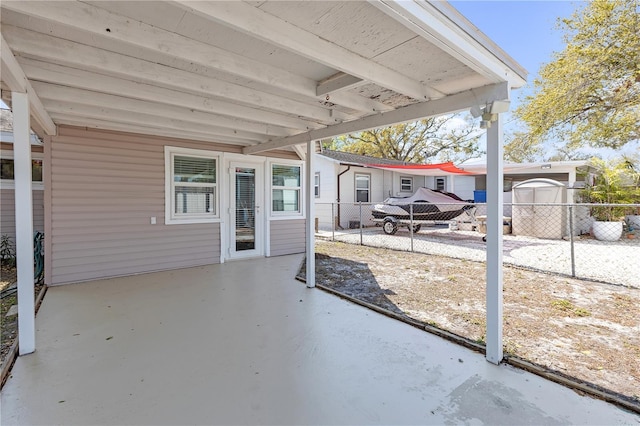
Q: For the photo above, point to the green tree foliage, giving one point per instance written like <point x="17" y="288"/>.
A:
<point x="589" y="95"/>
<point x="520" y="148"/>
<point x="615" y="182"/>
<point x="426" y="141"/>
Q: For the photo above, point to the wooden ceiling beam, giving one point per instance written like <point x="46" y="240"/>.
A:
<point x="257" y="23"/>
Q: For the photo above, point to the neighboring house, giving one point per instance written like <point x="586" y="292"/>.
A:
<point x="345" y="178"/>
<point x="7" y="195"/>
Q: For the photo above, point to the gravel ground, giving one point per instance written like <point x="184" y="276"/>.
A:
<point x="610" y="262"/>
<point x="585" y="329"/>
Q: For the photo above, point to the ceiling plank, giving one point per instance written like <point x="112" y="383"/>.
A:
<point x="48" y="48"/>
<point x="257" y="23"/>
<point x="72" y="120"/>
<point x="450" y="104"/>
<point x="133" y="118"/>
<point x="65" y="76"/>
<point x="341" y="81"/>
<point x="101" y="24"/>
<point x="435" y="22"/>
<point x="52" y="92"/>
<point x="14" y="77"/>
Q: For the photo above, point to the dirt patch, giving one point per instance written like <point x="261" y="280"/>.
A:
<point x="587" y="330"/>
<point x="9" y="298"/>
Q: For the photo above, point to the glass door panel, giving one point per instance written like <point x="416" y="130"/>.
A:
<point x="245" y="208"/>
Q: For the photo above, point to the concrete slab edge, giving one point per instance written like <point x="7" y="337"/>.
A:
<point x="13" y="351"/>
<point x="539" y="370"/>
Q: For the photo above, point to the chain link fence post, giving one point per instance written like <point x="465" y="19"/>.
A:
<point x="333" y="223"/>
<point x="411" y="224"/>
<point x="571" y="240"/>
<point x="360" y="221"/>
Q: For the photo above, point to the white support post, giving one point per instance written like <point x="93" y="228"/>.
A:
<point x="24" y="222"/>
<point x="494" y="241"/>
<point x="310" y="208"/>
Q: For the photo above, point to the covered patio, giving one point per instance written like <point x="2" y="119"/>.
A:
<point x="227" y="344"/>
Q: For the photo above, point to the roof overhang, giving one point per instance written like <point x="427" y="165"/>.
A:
<point x="262" y="75"/>
<point x="439" y="169"/>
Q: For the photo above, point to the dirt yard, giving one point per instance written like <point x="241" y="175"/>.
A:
<point x="9" y="298"/>
<point x="588" y="330"/>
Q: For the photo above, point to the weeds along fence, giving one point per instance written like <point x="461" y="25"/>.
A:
<point x="558" y="238"/>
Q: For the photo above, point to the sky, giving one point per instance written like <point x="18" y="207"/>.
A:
<point x="528" y="32"/>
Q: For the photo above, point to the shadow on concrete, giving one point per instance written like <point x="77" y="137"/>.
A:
<point x="353" y="279"/>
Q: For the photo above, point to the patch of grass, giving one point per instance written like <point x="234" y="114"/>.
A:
<point x="566" y="306"/>
<point x="562" y="304"/>
<point x="452" y="278"/>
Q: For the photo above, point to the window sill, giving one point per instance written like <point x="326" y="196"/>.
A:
<point x="190" y="221"/>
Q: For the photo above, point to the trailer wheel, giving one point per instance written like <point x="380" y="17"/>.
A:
<point x="416" y="228"/>
<point x="389" y="227"/>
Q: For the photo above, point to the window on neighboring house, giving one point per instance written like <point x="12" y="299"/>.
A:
<point x="316" y="185"/>
<point x="440" y="184"/>
<point x="193" y="185"/>
<point x="406" y="184"/>
<point x="285" y="189"/>
<point x="363" y="187"/>
<point x="7" y="170"/>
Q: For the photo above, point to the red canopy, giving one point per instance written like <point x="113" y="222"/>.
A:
<point x="423" y="169"/>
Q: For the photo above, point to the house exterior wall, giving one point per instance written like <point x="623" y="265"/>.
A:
<point x="7" y="196"/>
<point x="105" y="189"/>
<point x="8" y="212"/>
<point x="287" y="237"/>
<point x="349" y="211"/>
<point x="328" y="171"/>
<point x="463" y="186"/>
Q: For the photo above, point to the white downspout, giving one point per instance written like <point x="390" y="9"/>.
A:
<point x="310" y="208"/>
<point x="494" y="241"/>
<point x="24" y="222"/>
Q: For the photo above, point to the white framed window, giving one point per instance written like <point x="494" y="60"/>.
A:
<point x="286" y="189"/>
<point x="363" y="188"/>
<point x="440" y="184"/>
<point x="7" y="170"/>
<point x="316" y="185"/>
<point x="406" y="184"/>
<point x="191" y="186"/>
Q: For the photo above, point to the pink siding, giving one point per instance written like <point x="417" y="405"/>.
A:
<point x="287" y="237"/>
<point x="8" y="212"/>
<point x="105" y="187"/>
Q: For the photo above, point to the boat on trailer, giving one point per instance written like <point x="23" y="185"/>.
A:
<point x="425" y="205"/>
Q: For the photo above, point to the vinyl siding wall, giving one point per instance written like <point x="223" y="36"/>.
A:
<point x="105" y="188"/>
<point x="8" y="212"/>
<point x="287" y="236"/>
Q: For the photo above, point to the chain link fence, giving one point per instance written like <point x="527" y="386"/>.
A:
<point x="559" y="238"/>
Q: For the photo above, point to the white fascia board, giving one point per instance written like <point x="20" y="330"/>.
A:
<point x="436" y="23"/>
<point x="259" y="24"/>
<point x="449" y="104"/>
<point x="7" y="137"/>
<point x="16" y="80"/>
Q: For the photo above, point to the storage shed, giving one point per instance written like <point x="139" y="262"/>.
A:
<point x="537" y="216"/>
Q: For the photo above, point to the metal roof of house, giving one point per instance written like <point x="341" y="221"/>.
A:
<point x="263" y="75"/>
<point x="355" y="159"/>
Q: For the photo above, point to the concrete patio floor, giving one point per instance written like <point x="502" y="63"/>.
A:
<point x="244" y="343"/>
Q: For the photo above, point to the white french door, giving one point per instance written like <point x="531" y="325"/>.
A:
<point x="246" y="209"/>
